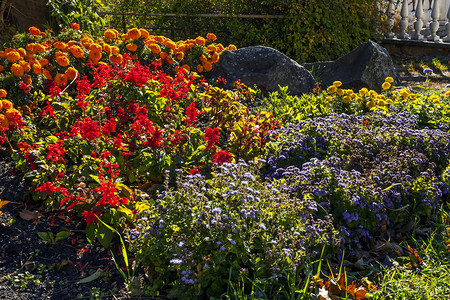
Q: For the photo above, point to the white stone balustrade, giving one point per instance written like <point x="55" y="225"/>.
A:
<point x="419" y="20"/>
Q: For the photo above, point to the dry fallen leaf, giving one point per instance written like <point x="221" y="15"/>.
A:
<point x="29" y="215"/>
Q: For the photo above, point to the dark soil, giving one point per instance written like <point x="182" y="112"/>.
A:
<point x="31" y="268"/>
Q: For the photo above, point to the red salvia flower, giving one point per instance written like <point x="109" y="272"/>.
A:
<point x="56" y="152"/>
<point x="211" y="137"/>
<point x="191" y="113"/>
<point x="89" y="129"/>
<point x="48" y="109"/>
<point x="50" y="187"/>
<point x="91" y="216"/>
<point x="221" y="157"/>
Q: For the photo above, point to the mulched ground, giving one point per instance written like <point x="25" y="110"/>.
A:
<point x="31" y="268"/>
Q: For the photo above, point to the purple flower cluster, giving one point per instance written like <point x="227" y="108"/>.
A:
<point x="363" y="169"/>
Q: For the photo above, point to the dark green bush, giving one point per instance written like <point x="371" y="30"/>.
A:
<point x="311" y="30"/>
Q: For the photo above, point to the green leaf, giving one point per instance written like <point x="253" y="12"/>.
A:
<point x="104" y="235"/>
<point x="62" y="235"/>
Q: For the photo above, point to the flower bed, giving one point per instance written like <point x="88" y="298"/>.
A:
<point x="199" y="187"/>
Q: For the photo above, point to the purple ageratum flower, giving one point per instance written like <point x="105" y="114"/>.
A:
<point x="427" y="71"/>
<point x="216" y="210"/>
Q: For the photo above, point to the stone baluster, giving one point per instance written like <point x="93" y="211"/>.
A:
<point x="390" y="14"/>
<point x="418" y="23"/>
<point x="404" y="22"/>
<point x="447" y="27"/>
<point x="434" y="25"/>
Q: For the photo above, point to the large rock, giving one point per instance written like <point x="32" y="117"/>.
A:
<point x="264" y="67"/>
<point x="366" y="66"/>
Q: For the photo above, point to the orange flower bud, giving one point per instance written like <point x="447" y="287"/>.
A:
<point x="4" y="122"/>
<point x="3" y="94"/>
<point x="211" y="37"/>
<point x="34" y="31"/>
<point x="75" y="26"/>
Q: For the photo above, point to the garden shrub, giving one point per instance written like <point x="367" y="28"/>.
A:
<point x="308" y="33"/>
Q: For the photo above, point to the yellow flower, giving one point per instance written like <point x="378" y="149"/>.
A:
<point x="346" y="99"/>
<point x="337" y="83"/>
<point x="328" y="99"/>
<point x="447" y="94"/>
<point x="435" y="99"/>
<point x="340" y="92"/>
<point x="386" y="85"/>
<point x="364" y="92"/>
<point x="389" y="79"/>
<point x="381" y="103"/>
<point x="331" y="89"/>
<point x="370" y="104"/>
<point x="404" y="93"/>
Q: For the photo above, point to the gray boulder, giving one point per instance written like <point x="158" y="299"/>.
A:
<point x="264" y="67"/>
<point x="366" y="66"/>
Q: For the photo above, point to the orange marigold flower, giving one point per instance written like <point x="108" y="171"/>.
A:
<point x="47" y="74"/>
<point x="96" y="47"/>
<point x="199" y="68"/>
<point x="106" y="48"/>
<point x="1" y="106"/>
<point x="3" y="94"/>
<point x="169" y="59"/>
<point x="71" y="73"/>
<point x="39" y="48"/>
<point x="134" y="33"/>
<point x="34" y="31"/>
<point x="37" y="69"/>
<point x="131" y="47"/>
<point x="215" y="57"/>
<point x="163" y="55"/>
<point x="4" y="122"/>
<point x="202" y="58"/>
<point x="2" y="53"/>
<point x="171" y="45"/>
<point x="180" y="55"/>
<point x="30" y="47"/>
<point x="75" y="26"/>
<point x="7" y="104"/>
<point x="144" y="33"/>
<point x="10" y="112"/>
<point x="22" y="52"/>
<point x="200" y="41"/>
<point x="156" y="49"/>
<point x="95" y="56"/>
<point x="43" y="62"/>
<point x="110" y="34"/>
<point x="115" y="50"/>
<point x="117" y="59"/>
<point x="60" y="79"/>
<point x="207" y="66"/>
<point x="76" y="51"/>
<point x="12" y="56"/>
<point x="211" y="37"/>
<point x="17" y="70"/>
<point x="62" y="60"/>
<point x="26" y="79"/>
<point x="231" y="47"/>
<point x="61" y="46"/>
<point x="25" y="66"/>
<point x="125" y="37"/>
<point x="71" y="43"/>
